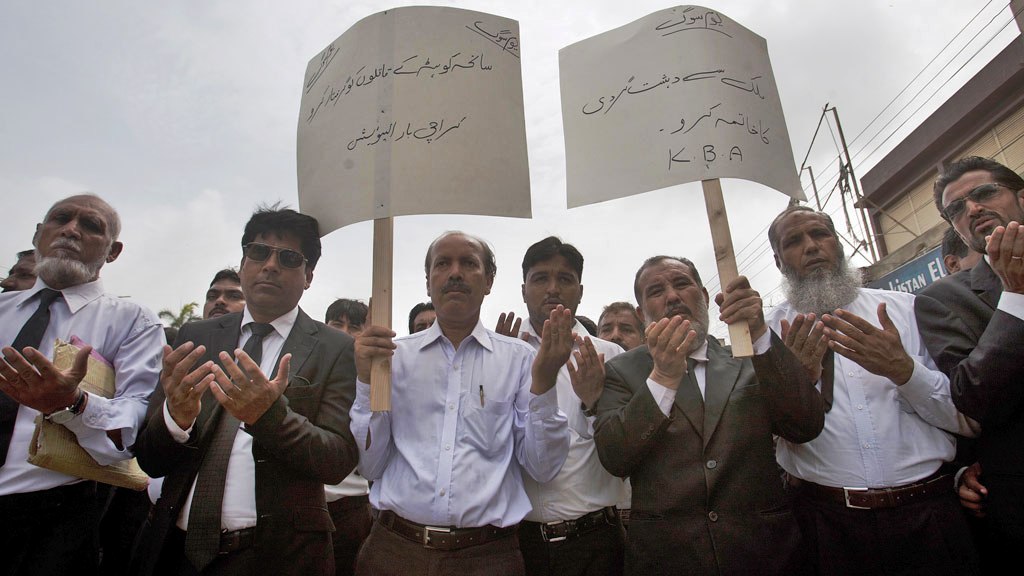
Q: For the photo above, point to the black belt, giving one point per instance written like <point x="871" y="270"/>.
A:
<point x="872" y="498"/>
<point x="569" y="529"/>
<point x="442" y="537"/>
<point x="230" y="542"/>
<point x="68" y="495"/>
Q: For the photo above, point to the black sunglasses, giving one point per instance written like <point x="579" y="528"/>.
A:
<point x="956" y="208"/>
<point x="259" y="252"/>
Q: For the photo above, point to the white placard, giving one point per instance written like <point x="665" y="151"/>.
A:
<point x="680" y="95"/>
<point x="416" y="110"/>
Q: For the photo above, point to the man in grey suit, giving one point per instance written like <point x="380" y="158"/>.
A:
<point x="692" y="429"/>
<point x="250" y="422"/>
<point x="973" y="325"/>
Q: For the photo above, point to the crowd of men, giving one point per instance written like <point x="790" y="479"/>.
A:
<point x="872" y="432"/>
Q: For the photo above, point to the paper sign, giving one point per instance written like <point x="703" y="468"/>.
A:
<point x="680" y="95"/>
<point x="416" y="110"/>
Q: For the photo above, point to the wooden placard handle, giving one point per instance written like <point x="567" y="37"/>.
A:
<point x="380" y="310"/>
<point x="739" y="333"/>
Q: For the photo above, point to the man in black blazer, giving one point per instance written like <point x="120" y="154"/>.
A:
<point x="973" y="325"/>
<point x="692" y="429"/>
<point x="250" y="422"/>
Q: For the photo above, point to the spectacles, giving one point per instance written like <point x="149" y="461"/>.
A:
<point x="956" y="208"/>
<point x="259" y="252"/>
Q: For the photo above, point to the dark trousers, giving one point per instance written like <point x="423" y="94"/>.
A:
<point x="599" y="552"/>
<point x="352" y="523"/>
<point x="927" y="538"/>
<point x="50" y="532"/>
<point x="174" y="563"/>
<point x="121" y="519"/>
<point x="387" y="554"/>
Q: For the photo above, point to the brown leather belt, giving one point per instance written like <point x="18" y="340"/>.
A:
<point x="872" y="498"/>
<point x="442" y="537"/>
<point x="569" y="529"/>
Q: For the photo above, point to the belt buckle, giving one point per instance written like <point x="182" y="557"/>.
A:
<point x="846" y="496"/>
<point x="544" y="533"/>
<point x="428" y="529"/>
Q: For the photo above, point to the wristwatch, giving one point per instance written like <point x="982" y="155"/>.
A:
<point x="67" y="414"/>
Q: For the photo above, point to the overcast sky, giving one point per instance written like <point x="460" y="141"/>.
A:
<point x="183" y="116"/>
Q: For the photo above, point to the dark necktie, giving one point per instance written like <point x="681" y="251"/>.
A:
<point x="31" y="335"/>
<point x="202" y="540"/>
<point x="828" y="378"/>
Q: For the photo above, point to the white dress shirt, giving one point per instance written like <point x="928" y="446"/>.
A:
<point x="128" y="336"/>
<point x="878" y="434"/>
<point x="583" y="485"/>
<point x="238" y="509"/>
<point x="462" y="430"/>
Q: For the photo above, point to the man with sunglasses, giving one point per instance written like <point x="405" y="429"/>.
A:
<point x="973" y="324"/>
<point x="250" y="422"/>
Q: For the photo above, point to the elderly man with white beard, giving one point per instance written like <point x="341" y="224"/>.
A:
<point x="873" y="492"/>
<point x="49" y="518"/>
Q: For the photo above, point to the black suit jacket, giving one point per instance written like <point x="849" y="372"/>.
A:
<point x="982" y="350"/>
<point x="707" y="494"/>
<point x="302" y="442"/>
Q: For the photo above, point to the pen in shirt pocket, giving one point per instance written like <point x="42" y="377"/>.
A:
<point x="481" y="395"/>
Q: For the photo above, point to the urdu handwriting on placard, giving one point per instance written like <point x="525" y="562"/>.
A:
<point x="504" y="38"/>
<point x="741" y="120"/>
<point x="751" y="86"/>
<point x="411" y="66"/>
<point x="325" y="60"/>
<point x="693" y="20"/>
<point x="431" y="131"/>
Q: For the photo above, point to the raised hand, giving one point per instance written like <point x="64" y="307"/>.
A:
<point x="32" y="379"/>
<point x="806" y="338"/>
<point x="508" y="325"/>
<point x="879" y="351"/>
<point x="242" y="388"/>
<point x="587" y="375"/>
<point x="556" y="343"/>
<point x="1005" y="247"/>
<point x="740" y="302"/>
<point x="184" y="387"/>
<point x="670" y="341"/>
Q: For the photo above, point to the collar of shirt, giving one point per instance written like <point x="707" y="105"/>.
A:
<point x="76" y="296"/>
<point x="282" y="324"/>
<point x="701" y="354"/>
<point x="434" y="333"/>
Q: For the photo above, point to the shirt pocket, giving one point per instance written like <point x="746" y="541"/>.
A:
<point x="485" y="425"/>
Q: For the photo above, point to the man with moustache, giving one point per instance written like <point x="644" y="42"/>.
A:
<point x="692" y="428"/>
<point x="873" y="490"/>
<point x="956" y="256"/>
<point x="472" y="411"/>
<point x="620" y="323"/>
<point x="225" y="295"/>
<point x="250" y="422"/>
<point x="49" y="519"/>
<point x="574" y="527"/>
<point x="22" y="275"/>
<point x="421" y="317"/>
<point x="973" y="324"/>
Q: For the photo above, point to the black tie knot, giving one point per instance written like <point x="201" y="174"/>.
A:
<point x="47" y="296"/>
<point x="260" y="329"/>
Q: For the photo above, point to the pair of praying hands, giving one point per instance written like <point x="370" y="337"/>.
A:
<point x="240" y="387"/>
<point x="878" y="350"/>
<point x="1005" y="248"/>
<point x="557" y="341"/>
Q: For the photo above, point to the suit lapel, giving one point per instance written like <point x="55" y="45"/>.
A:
<point x="722" y="372"/>
<point x="986" y="284"/>
<point x="689" y="400"/>
<point x="299" y="344"/>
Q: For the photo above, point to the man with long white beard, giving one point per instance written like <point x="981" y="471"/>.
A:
<point x="49" y="518"/>
<point x="872" y="492"/>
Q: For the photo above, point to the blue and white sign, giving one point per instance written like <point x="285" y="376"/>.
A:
<point x="914" y="275"/>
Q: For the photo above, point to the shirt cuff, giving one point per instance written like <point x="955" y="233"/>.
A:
<point x="919" y="387"/>
<point x="1012" y="303"/>
<point x="180" y="436"/>
<point x="544" y="404"/>
<point x="762" y="344"/>
<point x="663" y="397"/>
